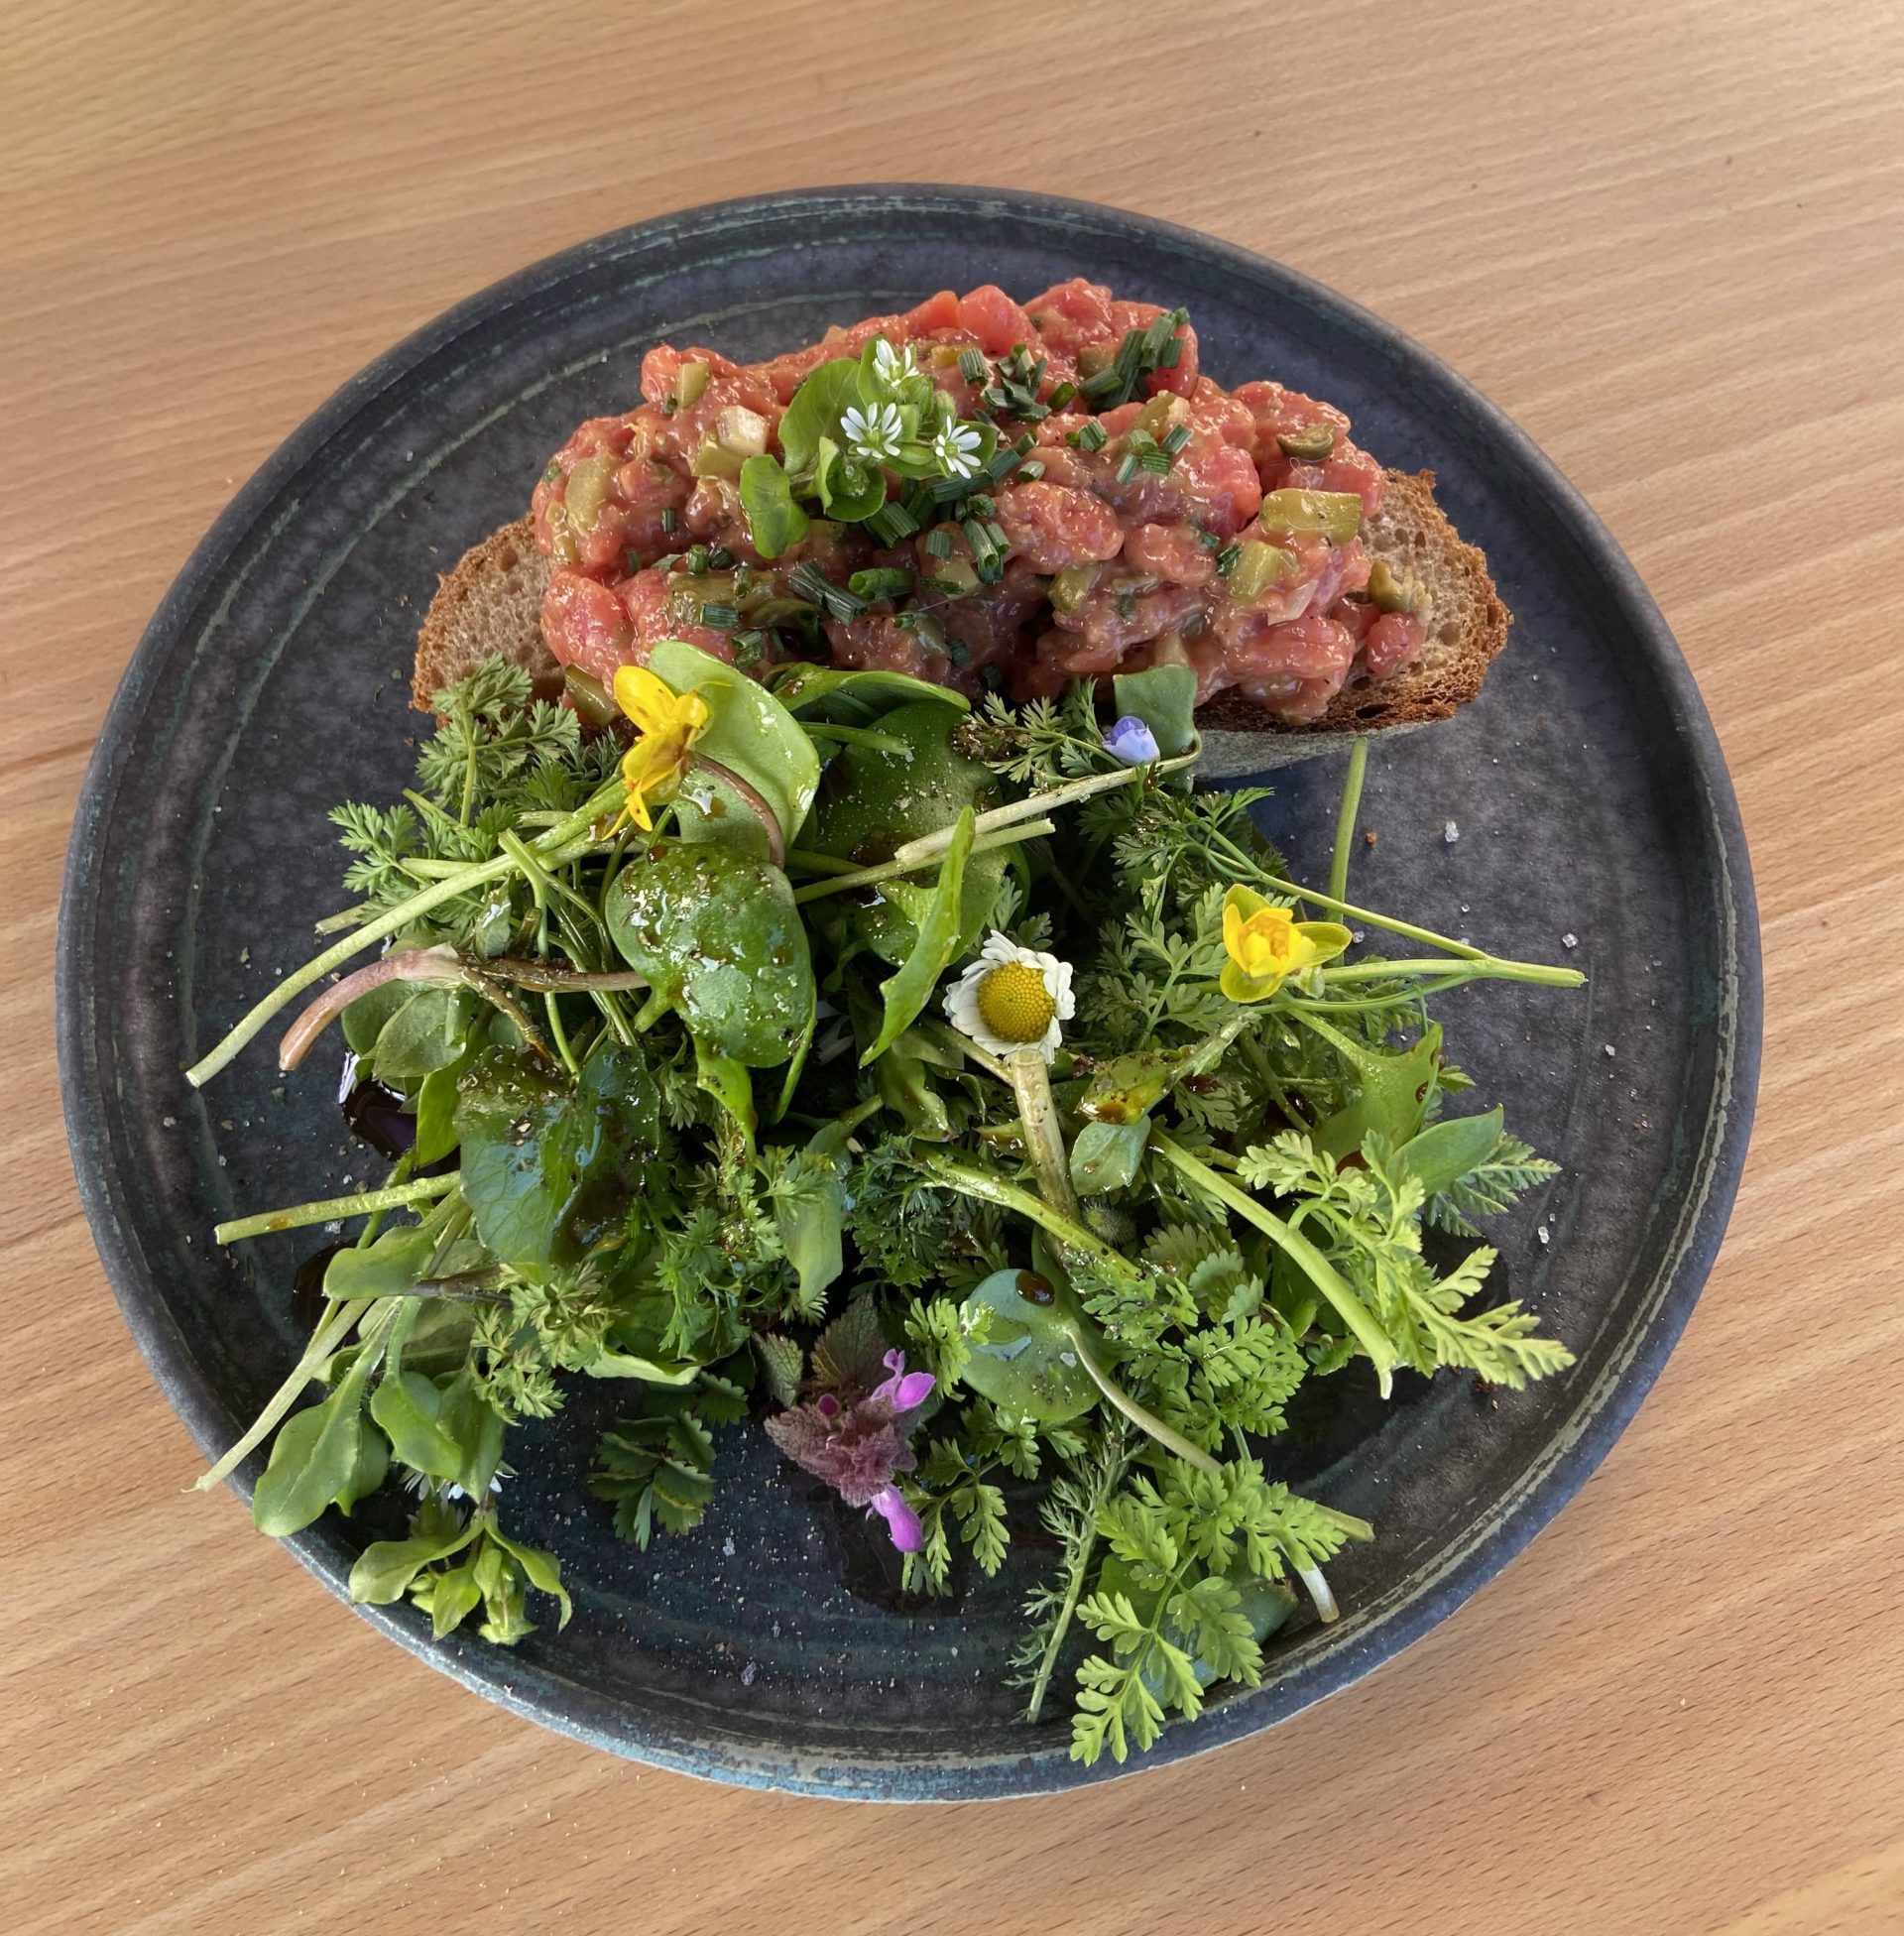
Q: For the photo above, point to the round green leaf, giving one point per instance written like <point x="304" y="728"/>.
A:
<point x="720" y="939"/>
<point x="1027" y="1364"/>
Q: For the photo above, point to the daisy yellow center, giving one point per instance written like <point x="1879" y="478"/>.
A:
<point x="1014" y="1004"/>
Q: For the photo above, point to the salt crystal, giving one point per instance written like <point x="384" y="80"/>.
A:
<point x="1570" y="940"/>
<point x="726" y="1547"/>
<point x="1540" y="1231"/>
<point x="1607" y="1048"/>
<point x="1450" y="832"/>
<point x="748" y="1672"/>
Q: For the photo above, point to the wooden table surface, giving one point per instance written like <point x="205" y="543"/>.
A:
<point x="1670" y="241"/>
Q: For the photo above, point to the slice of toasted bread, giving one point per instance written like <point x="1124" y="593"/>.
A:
<point x="492" y="603"/>
<point x="1466" y="627"/>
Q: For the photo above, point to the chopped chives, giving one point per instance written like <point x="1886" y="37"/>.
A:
<point x="719" y="559"/>
<point x="972" y="365"/>
<point x="1176" y="438"/>
<point x="724" y="618"/>
<point x="1024" y="445"/>
<point x="979" y="505"/>
<point x="1029" y="473"/>
<point x="809" y="582"/>
<point x="697" y="560"/>
<point x="749" y="648"/>
<point x="892" y="522"/>
<point x="670" y="520"/>
<point x="939" y="542"/>
<point x="1127" y="604"/>
<point x="1089" y="437"/>
<point x="884" y="582"/>
<point x="958" y="652"/>
<point x="1156" y="459"/>
<point x="1208" y="538"/>
<point x="1061" y="395"/>
<point x="1227" y="559"/>
<point x="1126" y="467"/>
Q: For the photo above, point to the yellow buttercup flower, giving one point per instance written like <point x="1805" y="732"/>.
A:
<point x="669" y="723"/>
<point x="1267" y="945"/>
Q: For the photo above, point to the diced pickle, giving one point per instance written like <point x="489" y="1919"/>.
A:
<point x="956" y="577"/>
<point x="770" y="610"/>
<point x="713" y="459"/>
<point x="1072" y="586"/>
<point x="587" y="490"/>
<point x="740" y="430"/>
<point x="1311" y="443"/>
<point x="1095" y="357"/>
<point x="690" y="383"/>
<point x="590" y="697"/>
<point x="1336" y="513"/>
<point x="1160" y="413"/>
<point x="687" y="593"/>
<point x="1256" y="568"/>
<point x="1394" y="593"/>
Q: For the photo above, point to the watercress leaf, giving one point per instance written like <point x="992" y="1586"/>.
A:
<point x="1105" y="1155"/>
<point x="370" y="1468"/>
<point x="548" y="1169"/>
<point x="388" y="1268"/>
<point x="854" y="696"/>
<point x="427" y="1032"/>
<point x="609" y="1363"/>
<point x="815" y="412"/>
<point x="729" y="1083"/>
<point x="544" y="1570"/>
<point x="1165" y="698"/>
<point x="453" y="1597"/>
<point x="407" y="1408"/>
<point x="720" y="939"/>
<point x="436" y="1116"/>
<point x="906" y="1090"/>
<point x="809" y="1210"/>
<point x="939" y="939"/>
<point x="774" y="520"/>
<point x="385" y="1569"/>
<point x="1022" y="1356"/>
<point x="1391" y="1092"/>
<point x="313" y="1459"/>
<point x="476" y="1427"/>
<point x="364" y="1020"/>
<point x="1444" y="1153"/>
<point x="850" y="492"/>
<point x="748" y="731"/>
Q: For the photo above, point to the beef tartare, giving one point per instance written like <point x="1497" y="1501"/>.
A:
<point x="982" y="494"/>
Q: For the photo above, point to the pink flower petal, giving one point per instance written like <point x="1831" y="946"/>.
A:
<point x="908" y="1536"/>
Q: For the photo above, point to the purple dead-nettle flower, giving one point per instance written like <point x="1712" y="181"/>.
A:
<point x="1132" y="741"/>
<point x="856" y="1440"/>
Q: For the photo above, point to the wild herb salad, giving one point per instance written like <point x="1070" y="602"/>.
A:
<point x="954" y="1094"/>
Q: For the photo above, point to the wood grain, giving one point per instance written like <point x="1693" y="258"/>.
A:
<point x="1670" y="240"/>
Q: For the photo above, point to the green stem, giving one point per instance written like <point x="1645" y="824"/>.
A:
<point x="323" y="1341"/>
<point x="821" y="729"/>
<point x="867" y="876"/>
<point x="1072" y="1234"/>
<point x="1303" y="1254"/>
<point x="930" y="846"/>
<point x="1346" y="818"/>
<point x="1482" y="968"/>
<point x="334" y="1209"/>
<point x="1113" y="1461"/>
<point x="566" y="841"/>
<point x="1043" y="1136"/>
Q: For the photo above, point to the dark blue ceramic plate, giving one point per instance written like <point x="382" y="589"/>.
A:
<point x="1583" y="796"/>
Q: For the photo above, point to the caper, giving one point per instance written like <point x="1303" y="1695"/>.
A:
<point x="1312" y="442"/>
<point x="1394" y="593"/>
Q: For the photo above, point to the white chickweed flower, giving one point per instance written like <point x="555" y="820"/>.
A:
<point x="1011" y="998"/>
<point x="874" y="435"/>
<point x="957" y="449"/>
<point x="893" y="366"/>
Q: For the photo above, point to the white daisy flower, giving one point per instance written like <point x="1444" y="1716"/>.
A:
<point x="957" y="449"/>
<point x="893" y="366"/>
<point x="874" y="435"/>
<point x="1011" y="998"/>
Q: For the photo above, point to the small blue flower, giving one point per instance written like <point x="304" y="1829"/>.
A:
<point x="1132" y="741"/>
